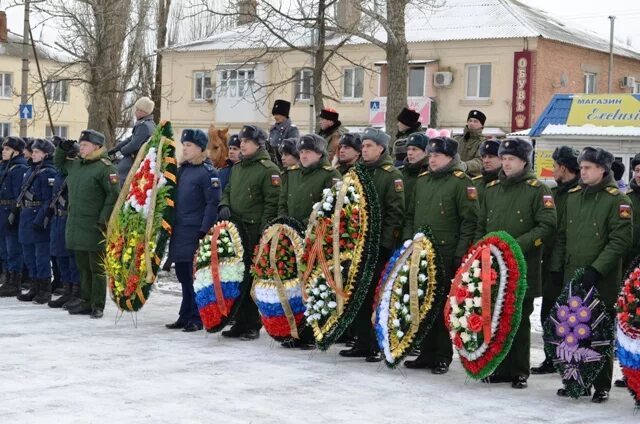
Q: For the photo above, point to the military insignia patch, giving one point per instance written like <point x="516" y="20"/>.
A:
<point x="625" y="211"/>
<point x="275" y="180"/>
<point x="399" y="185"/>
<point x="113" y="178"/>
<point x="547" y="201"/>
<point x="215" y="182"/>
<point x="51" y="181"/>
<point x="472" y="193"/>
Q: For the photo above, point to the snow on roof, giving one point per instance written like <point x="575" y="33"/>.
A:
<point x="590" y="131"/>
<point x="457" y="20"/>
<point x="13" y="47"/>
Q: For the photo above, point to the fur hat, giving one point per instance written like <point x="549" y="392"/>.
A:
<point x="234" y="140"/>
<point x="329" y="114"/>
<point x="28" y="142"/>
<point x="92" y="136"/>
<point x="313" y="142"/>
<point x="195" y="136"/>
<point x="253" y="133"/>
<point x="409" y="117"/>
<point x="489" y="147"/>
<point x="352" y="140"/>
<point x="597" y="155"/>
<point x="281" y="107"/>
<point x="567" y="156"/>
<point x="145" y="104"/>
<point x="477" y="115"/>
<point x="517" y="147"/>
<point x="377" y="136"/>
<point x="617" y="168"/>
<point x="45" y="146"/>
<point x="635" y="161"/>
<point x="445" y="145"/>
<point x="288" y="146"/>
<point x="16" y="143"/>
<point x="418" y="140"/>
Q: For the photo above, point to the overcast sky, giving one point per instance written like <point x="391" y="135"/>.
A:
<point x="591" y="14"/>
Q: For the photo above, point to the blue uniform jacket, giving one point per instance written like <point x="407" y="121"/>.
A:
<point x="10" y="189"/>
<point x="196" y="209"/>
<point x="58" y="221"/>
<point x="42" y="189"/>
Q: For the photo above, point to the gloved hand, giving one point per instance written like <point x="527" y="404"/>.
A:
<point x="57" y="140"/>
<point x="590" y="278"/>
<point x="224" y="213"/>
<point x="38" y="227"/>
<point x="66" y="145"/>
<point x="201" y="234"/>
<point x="557" y="279"/>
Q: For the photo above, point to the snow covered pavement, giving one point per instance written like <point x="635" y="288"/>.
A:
<point x="57" y="368"/>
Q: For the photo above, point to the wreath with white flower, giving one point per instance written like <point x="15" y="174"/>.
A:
<point x="340" y="252"/>
<point x="220" y="275"/>
<point x="277" y="288"/>
<point x="484" y="306"/>
<point x="628" y="328"/>
<point x="409" y="297"/>
<point x="145" y="178"/>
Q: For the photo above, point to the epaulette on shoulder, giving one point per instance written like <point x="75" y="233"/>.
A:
<point x="293" y="168"/>
<point x="493" y="183"/>
<point x="106" y="161"/>
<point x="630" y="191"/>
<point x="422" y="174"/>
<point x="266" y="163"/>
<point x="533" y="182"/>
<point x="476" y="178"/>
<point x="208" y="166"/>
<point x="576" y="188"/>
<point x="612" y="191"/>
<point x="328" y="168"/>
<point x="388" y="168"/>
<point x="459" y="174"/>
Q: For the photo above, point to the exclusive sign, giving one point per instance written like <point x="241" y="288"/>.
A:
<point x="605" y="110"/>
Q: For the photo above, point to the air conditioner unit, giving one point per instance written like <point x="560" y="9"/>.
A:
<point x="442" y="79"/>
<point x="209" y="94"/>
<point x="627" y="82"/>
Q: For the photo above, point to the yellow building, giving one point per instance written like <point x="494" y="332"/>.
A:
<point x="67" y="100"/>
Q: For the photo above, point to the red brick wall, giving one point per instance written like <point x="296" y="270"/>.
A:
<point x="553" y="59"/>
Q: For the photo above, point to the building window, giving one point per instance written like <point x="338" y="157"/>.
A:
<point x="416" y="81"/>
<point x="479" y="81"/>
<point x="590" y="86"/>
<point x="58" y="91"/>
<point x="201" y="81"/>
<point x="58" y="130"/>
<point x="5" y="129"/>
<point x="303" y="83"/>
<point x="236" y="84"/>
<point x="5" y="86"/>
<point x="353" y="87"/>
<point x="636" y="88"/>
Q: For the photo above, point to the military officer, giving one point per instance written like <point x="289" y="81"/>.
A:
<point x="10" y="183"/>
<point x="196" y="207"/>
<point x="251" y="197"/>
<point x="93" y="186"/>
<point x="566" y="172"/>
<point x="282" y="129"/>
<point x="389" y="187"/>
<point x="349" y="152"/>
<point x="408" y="123"/>
<point x="224" y="173"/>
<point x="491" y="166"/>
<point x="595" y="233"/>
<point x="415" y="163"/>
<point x="331" y="130"/>
<point x="522" y="206"/>
<point x="33" y="234"/>
<point x="469" y="142"/>
<point x="446" y="200"/>
<point x="289" y="152"/>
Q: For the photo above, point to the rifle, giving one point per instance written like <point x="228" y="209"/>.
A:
<point x="14" y="216"/>
<point x="57" y="197"/>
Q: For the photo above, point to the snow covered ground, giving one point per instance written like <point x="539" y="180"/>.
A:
<point x="57" y="368"/>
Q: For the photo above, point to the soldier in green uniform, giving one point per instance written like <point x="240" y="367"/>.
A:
<point x="469" y="143"/>
<point x="566" y="172"/>
<point x="491" y="166"/>
<point x="288" y="152"/>
<point x="521" y="205"/>
<point x="251" y="197"/>
<point x="389" y="187"/>
<point x="408" y="123"/>
<point x="305" y="182"/>
<point x="446" y="200"/>
<point x="595" y="233"/>
<point x="415" y="163"/>
<point x="93" y="187"/>
<point x="349" y="152"/>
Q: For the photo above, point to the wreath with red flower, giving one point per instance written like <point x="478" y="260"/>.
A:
<point x="484" y="306"/>
<point x="628" y="329"/>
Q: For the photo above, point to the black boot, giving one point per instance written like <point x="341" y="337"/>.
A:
<point x="563" y="392"/>
<point x="546" y="367"/>
<point x="25" y="281"/>
<point x="419" y="363"/>
<point x="519" y="382"/>
<point x="12" y="287"/>
<point x="82" y="308"/>
<point x="4" y="276"/>
<point x="356" y="352"/>
<point x="44" y="292"/>
<point x="622" y="383"/>
<point x="75" y="297"/>
<point x="66" y="296"/>
<point x="31" y="294"/>
<point x="600" y="396"/>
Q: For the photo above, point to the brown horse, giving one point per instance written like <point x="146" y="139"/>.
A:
<point x="217" y="149"/>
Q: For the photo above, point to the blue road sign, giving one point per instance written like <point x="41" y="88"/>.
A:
<point x="26" y="111"/>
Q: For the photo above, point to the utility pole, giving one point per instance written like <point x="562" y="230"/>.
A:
<point x="612" y="19"/>
<point x="24" y="95"/>
<point x="312" y="109"/>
